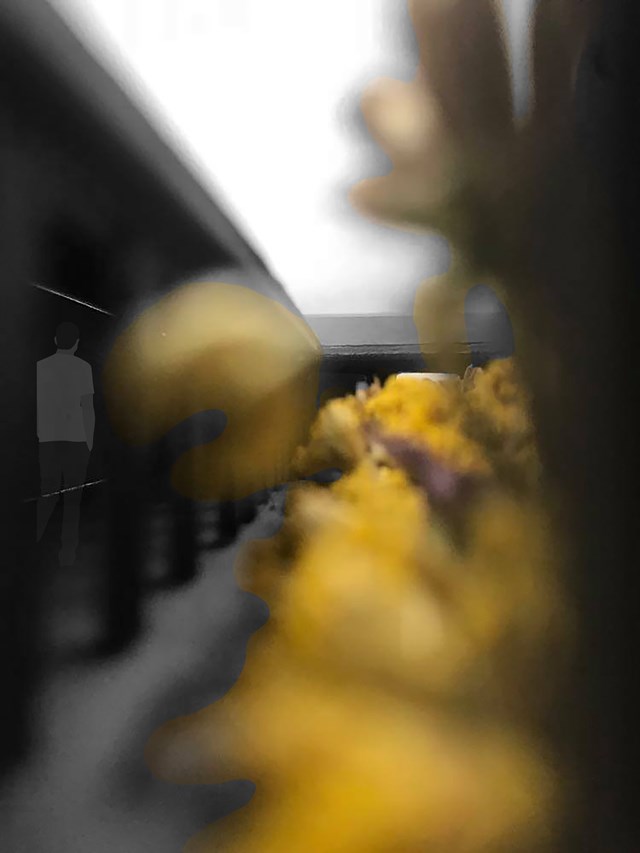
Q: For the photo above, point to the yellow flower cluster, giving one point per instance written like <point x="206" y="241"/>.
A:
<point x="496" y="415"/>
<point x="478" y="427"/>
<point x="393" y="702"/>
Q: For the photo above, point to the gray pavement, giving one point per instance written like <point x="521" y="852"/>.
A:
<point x="86" y="788"/>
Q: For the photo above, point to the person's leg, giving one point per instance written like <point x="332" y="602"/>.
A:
<point x="76" y="459"/>
<point x="50" y="483"/>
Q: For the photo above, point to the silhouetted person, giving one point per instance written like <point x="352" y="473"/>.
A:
<point x="66" y="422"/>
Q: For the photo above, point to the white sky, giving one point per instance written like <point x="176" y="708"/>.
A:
<point x="259" y="95"/>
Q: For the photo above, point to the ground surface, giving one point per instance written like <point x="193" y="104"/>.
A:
<point x="86" y="788"/>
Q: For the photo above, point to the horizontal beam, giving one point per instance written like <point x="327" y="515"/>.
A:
<point x="40" y="56"/>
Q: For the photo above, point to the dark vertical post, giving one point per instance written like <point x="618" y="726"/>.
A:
<point x="129" y="483"/>
<point x="125" y="555"/>
<point x="19" y="611"/>
<point x="228" y="522"/>
<point x="184" y="545"/>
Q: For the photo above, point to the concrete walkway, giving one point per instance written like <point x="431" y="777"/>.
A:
<point x="86" y="788"/>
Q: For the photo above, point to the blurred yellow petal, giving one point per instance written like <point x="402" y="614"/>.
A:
<point x="463" y="54"/>
<point x="560" y="33"/>
<point x="216" y="346"/>
<point x="406" y="199"/>
<point x="403" y="118"/>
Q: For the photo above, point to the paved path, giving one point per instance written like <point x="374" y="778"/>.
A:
<point x="86" y="788"/>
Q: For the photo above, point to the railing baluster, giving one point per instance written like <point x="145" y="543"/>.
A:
<point x="184" y="545"/>
<point x="227" y="523"/>
<point x="129" y="489"/>
<point x="125" y="549"/>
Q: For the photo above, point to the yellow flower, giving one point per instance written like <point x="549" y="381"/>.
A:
<point x="336" y="439"/>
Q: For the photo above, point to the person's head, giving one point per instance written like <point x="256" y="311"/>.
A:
<point x="67" y="337"/>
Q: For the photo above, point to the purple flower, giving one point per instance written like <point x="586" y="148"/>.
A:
<point x="443" y="485"/>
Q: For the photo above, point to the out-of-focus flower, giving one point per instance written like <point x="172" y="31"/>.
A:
<point x="336" y="438"/>
<point x="393" y="700"/>
<point x="396" y="701"/>
<point x="212" y="346"/>
<point x="463" y="166"/>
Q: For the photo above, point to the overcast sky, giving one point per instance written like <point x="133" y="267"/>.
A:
<point x="261" y="97"/>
